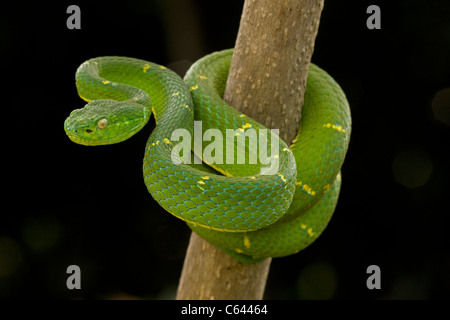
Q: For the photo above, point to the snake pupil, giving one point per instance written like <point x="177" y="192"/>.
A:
<point x="88" y="130"/>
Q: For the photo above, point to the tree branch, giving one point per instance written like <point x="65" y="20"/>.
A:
<point x="267" y="82"/>
<point x="273" y="50"/>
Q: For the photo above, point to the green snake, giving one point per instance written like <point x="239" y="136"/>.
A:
<point x="243" y="206"/>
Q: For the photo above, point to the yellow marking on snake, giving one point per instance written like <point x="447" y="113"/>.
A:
<point x="106" y="82"/>
<point x="247" y="242"/>
<point x="201" y="182"/>
<point x="167" y="141"/>
<point x="335" y="127"/>
<point x="146" y="67"/>
<point x="282" y="177"/>
<point x="162" y="67"/>
<point x="246" y="126"/>
<point x="303" y="226"/>
<point x="306" y="188"/>
<point x="85" y="99"/>
<point x="242" y="115"/>
<point x="194" y="88"/>
<point x="205" y="177"/>
<point x="310" y="233"/>
<point x="239" y="250"/>
<point x="202" y="77"/>
<point x="175" y="94"/>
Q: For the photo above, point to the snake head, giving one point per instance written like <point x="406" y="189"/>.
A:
<point x="104" y="121"/>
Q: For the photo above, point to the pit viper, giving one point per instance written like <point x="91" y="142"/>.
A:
<point x="273" y="206"/>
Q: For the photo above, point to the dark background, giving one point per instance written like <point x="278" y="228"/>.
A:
<point x="67" y="204"/>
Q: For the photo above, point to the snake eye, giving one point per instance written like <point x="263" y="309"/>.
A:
<point x="102" y="123"/>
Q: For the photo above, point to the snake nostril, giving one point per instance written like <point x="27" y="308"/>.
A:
<point x="88" y="131"/>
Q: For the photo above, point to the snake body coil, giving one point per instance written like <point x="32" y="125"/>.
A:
<point x="243" y="209"/>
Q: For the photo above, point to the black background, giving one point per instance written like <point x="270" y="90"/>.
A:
<point x="66" y="204"/>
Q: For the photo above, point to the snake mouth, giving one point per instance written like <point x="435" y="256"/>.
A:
<point x="73" y="136"/>
<point x="89" y="137"/>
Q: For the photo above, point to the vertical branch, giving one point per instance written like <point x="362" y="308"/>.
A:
<point x="267" y="82"/>
<point x="273" y="50"/>
<point x="210" y="274"/>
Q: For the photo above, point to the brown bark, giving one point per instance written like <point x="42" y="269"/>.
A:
<point x="267" y="82"/>
<point x="273" y="50"/>
<point x="210" y="274"/>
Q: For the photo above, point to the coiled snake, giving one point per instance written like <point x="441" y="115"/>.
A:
<point x="243" y="207"/>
